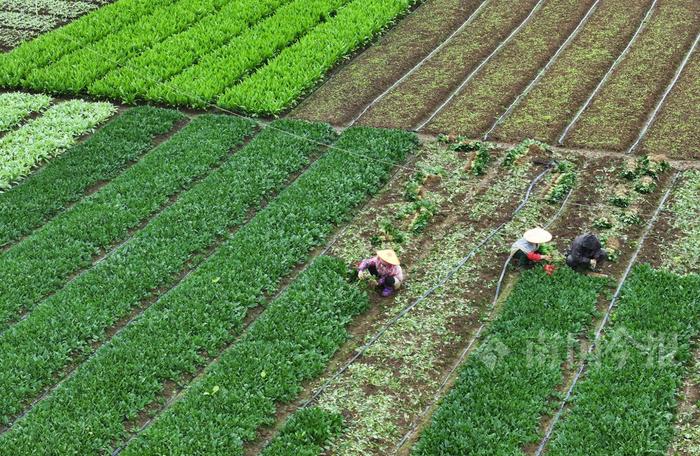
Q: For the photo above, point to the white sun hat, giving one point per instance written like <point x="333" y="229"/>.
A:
<point x="537" y="236"/>
<point x="388" y="256"/>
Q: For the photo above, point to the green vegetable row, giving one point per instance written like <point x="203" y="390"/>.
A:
<point x="67" y="9"/>
<point x="626" y="401"/>
<point x="289" y="343"/>
<point x="305" y="433"/>
<point x="47" y="136"/>
<point x="297" y="68"/>
<point x="27" y="21"/>
<point x="16" y="106"/>
<point x="42" y="263"/>
<point x="34" y="351"/>
<point x="15" y="65"/>
<point x="207" y="310"/>
<point x="79" y="69"/>
<point x="65" y="179"/>
<point x="141" y="75"/>
<point x="505" y="385"/>
<point x="220" y="69"/>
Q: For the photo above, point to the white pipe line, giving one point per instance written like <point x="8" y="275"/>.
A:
<point x="582" y="366"/>
<point x="471" y="75"/>
<point x="612" y="68"/>
<point x="469" y="20"/>
<point x="652" y="116"/>
<point x="544" y="69"/>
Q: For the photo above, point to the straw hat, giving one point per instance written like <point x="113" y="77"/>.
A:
<point x="537" y="236"/>
<point x="388" y="256"/>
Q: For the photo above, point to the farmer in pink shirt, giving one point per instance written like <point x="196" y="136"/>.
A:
<point x="386" y="267"/>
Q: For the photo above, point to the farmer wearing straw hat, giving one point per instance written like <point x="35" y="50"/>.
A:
<point x="526" y="248"/>
<point x="386" y="267"/>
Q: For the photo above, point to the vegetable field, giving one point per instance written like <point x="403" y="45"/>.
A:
<point x="188" y="186"/>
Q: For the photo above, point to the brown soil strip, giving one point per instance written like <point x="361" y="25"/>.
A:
<point x="490" y="93"/>
<point x="616" y="115"/>
<point x="421" y="93"/>
<point x="546" y="111"/>
<point x="675" y="131"/>
<point x="355" y="85"/>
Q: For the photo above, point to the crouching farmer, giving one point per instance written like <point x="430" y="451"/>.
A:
<point x="586" y="252"/>
<point x="525" y="249"/>
<point x="386" y="267"/>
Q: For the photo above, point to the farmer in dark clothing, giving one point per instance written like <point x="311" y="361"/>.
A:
<point x="586" y="251"/>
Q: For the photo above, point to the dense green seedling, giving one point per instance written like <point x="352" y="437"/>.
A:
<point x="217" y="71"/>
<point x="626" y="401"/>
<point x="79" y="69"/>
<point x="208" y="308"/>
<point x="33" y="351"/>
<point x="14" y="66"/>
<point x="142" y="74"/>
<point x="41" y="263"/>
<point x="504" y="387"/>
<point x="47" y="136"/>
<point x="305" y="433"/>
<point x="66" y="179"/>
<point x="15" y="106"/>
<point x="291" y="342"/>
<point x="297" y="68"/>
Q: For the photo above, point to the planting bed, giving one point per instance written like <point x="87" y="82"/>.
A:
<point x="182" y="282"/>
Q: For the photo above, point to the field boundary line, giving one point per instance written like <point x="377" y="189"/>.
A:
<point x="659" y="105"/>
<point x="384" y="328"/>
<point x="415" y="424"/>
<point x="483" y="63"/>
<point x="572" y="36"/>
<point x="410" y="72"/>
<point x="642" y="25"/>
<point x="599" y="331"/>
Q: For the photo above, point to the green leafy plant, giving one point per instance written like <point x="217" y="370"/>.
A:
<point x="65" y="179"/>
<point x="15" y="106"/>
<point x="48" y="136"/>
<point x="152" y="259"/>
<point x="305" y="433"/>
<point x="69" y="242"/>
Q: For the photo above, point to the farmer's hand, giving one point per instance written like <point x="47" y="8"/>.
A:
<point x="547" y="257"/>
<point x="363" y="274"/>
<point x="594" y="263"/>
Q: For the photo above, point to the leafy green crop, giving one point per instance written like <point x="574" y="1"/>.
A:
<point x="305" y="433"/>
<point x="682" y="256"/>
<point x="65" y="179"/>
<point x="77" y="70"/>
<point x="206" y="310"/>
<point x="217" y="71"/>
<point x="291" y="342"/>
<point x="75" y="316"/>
<point x="504" y="387"/>
<point x="142" y="74"/>
<point x="66" y="9"/>
<point x="36" y="22"/>
<point x="297" y="68"/>
<point x="15" y="65"/>
<point x="626" y="401"/>
<point x="48" y="136"/>
<point x="15" y="106"/>
<point x="70" y="241"/>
